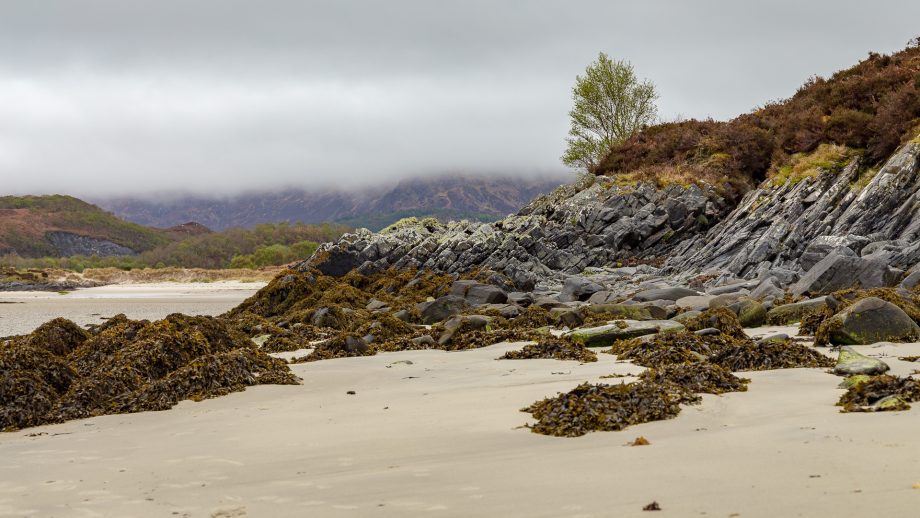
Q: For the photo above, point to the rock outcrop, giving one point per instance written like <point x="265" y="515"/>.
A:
<point x="571" y="229"/>
<point x="796" y="225"/>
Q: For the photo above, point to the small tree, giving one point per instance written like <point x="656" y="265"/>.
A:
<point x="611" y="104"/>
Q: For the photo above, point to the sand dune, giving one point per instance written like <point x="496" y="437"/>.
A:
<point x="441" y="437"/>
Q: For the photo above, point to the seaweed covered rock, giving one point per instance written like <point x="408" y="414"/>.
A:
<point x="879" y="394"/>
<point x="785" y="314"/>
<point x="850" y="362"/>
<point x="721" y="318"/>
<point x="606" y="335"/>
<point x="868" y="321"/>
<point x="701" y="377"/>
<point x="130" y="366"/>
<point x="344" y="345"/>
<point x="588" y="408"/>
<point x="553" y="349"/>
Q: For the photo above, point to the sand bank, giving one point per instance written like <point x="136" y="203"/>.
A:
<point x="22" y="312"/>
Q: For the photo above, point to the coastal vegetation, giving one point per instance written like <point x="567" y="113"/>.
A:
<point x="870" y="108"/>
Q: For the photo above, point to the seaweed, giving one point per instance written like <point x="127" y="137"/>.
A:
<point x="58" y="336"/>
<point x="748" y="356"/>
<point x="670" y="348"/>
<point x="553" y="349"/>
<point x="598" y="407"/>
<point x="880" y="393"/>
<point x="700" y="377"/>
<point x="128" y="366"/>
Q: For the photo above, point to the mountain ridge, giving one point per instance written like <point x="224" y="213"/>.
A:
<point x="460" y="197"/>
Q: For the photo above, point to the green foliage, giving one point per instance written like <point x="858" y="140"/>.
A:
<point x="611" y="104"/>
<point x="263" y="245"/>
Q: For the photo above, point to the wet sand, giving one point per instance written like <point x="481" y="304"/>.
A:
<point x="441" y="437"/>
<point x="22" y="312"/>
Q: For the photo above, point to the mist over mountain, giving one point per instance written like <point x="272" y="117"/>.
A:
<point x="457" y="197"/>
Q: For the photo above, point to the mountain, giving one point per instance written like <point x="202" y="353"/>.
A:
<point x="38" y="226"/>
<point x="459" y="197"/>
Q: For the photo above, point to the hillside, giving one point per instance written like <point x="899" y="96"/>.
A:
<point x="870" y="108"/>
<point x="36" y="226"/>
<point x="475" y="198"/>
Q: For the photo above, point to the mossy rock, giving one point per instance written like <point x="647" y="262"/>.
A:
<point x="604" y="336"/>
<point x="850" y="362"/>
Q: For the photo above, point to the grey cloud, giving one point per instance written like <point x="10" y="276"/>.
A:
<point x="217" y="96"/>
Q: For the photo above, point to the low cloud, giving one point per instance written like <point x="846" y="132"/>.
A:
<point x="218" y="97"/>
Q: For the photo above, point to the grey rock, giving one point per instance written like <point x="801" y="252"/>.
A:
<point x="838" y="271"/>
<point x="567" y="317"/>
<point x="441" y="308"/>
<point x="578" y="288"/>
<point x="520" y="298"/>
<point x="374" y="305"/>
<point x="769" y="287"/>
<point x="709" y="331"/>
<point x="476" y="293"/>
<point x="695" y="302"/>
<point x="604" y="297"/>
<point x="671" y="294"/>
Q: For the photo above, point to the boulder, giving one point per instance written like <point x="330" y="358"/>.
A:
<point x="451" y="326"/>
<point x="477" y="293"/>
<point x="838" y="271"/>
<point x="548" y="303"/>
<point x="672" y="294"/>
<point x="521" y="298"/>
<point x="686" y="316"/>
<point x="736" y="287"/>
<point x="567" y="316"/>
<point x="769" y="287"/>
<point x="374" y="305"/>
<point x="872" y="320"/>
<point x="578" y="288"/>
<point x="604" y="336"/>
<point x="695" y="302"/>
<point x="441" y="308"/>
<point x="792" y="313"/>
<point x="604" y="297"/>
<point x="751" y="313"/>
<point x="850" y="362"/>
<point x="624" y="311"/>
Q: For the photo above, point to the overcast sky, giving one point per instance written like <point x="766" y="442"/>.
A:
<point x="217" y="96"/>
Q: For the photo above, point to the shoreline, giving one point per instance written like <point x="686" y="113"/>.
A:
<point x="21" y="312"/>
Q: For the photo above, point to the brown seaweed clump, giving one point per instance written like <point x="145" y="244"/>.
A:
<point x="597" y="407"/>
<point x="748" y="356"/>
<point x="701" y="377"/>
<point x="721" y="318"/>
<point x="812" y="319"/>
<point x="670" y="348"/>
<point x="553" y="349"/>
<point x="128" y="366"/>
<point x="880" y="393"/>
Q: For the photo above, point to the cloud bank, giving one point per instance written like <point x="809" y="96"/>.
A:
<point x="217" y="97"/>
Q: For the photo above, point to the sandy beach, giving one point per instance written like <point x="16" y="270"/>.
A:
<point x="22" y="312"/>
<point x="433" y="433"/>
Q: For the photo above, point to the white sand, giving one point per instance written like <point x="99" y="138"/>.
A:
<point x="439" y="437"/>
<point x="21" y="312"/>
